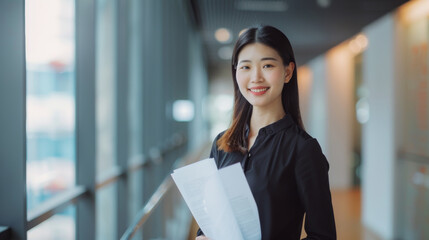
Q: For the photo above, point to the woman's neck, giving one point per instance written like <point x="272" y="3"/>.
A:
<point x="263" y="117"/>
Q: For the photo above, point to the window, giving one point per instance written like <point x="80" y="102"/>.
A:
<point x="50" y="47"/>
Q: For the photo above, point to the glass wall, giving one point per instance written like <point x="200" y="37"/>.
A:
<point x="101" y="77"/>
<point x="134" y="108"/>
<point x="59" y="226"/>
<point x="412" y="217"/>
<point x="105" y="114"/>
<point x="50" y="110"/>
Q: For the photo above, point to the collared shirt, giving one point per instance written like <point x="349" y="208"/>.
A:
<point x="288" y="176"/>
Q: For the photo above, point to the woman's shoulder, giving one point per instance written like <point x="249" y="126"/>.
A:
<point x="309" y="151"/>
<point x="219" y="135"/>
<point x="299" y="133"/>
<point x="214" y="144"/>
<point x="304" y="139"/>
<point x="292" y="129"/>
<point x="302" y="134"/>
<point x="216" y="150"/>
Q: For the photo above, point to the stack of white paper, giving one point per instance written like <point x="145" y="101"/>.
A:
<point x="220" y="200"/>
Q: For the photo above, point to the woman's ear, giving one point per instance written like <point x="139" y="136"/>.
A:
<point x="289" y="71"/>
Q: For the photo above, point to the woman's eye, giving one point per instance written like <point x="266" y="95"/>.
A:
<point x="244" y="67"/>
<point x="268" y="66"/>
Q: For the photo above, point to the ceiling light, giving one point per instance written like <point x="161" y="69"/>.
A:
<point x="358" y="43"/>
<point x="354" y="46"/>
<point x="362" y="40"/>
<point x="223" y="35"/>
<point x="262" y="6"/>
<point x="242" y="31"/>
<point x="324" y="3"/>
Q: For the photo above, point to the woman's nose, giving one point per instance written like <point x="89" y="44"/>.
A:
<point x="256" y="75"/>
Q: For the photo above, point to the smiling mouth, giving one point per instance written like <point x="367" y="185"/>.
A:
<point x="258" y="90"/>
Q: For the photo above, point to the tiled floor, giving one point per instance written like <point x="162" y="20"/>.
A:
<point x="347" y="210"/>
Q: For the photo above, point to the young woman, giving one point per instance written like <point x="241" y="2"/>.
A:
<point x="284" y="166"/>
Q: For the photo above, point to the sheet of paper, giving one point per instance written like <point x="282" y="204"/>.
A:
<point x="201" y="187"/>
<point x="242" y="202"/>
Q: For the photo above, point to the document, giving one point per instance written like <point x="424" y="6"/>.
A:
<point x="220" y="200"/>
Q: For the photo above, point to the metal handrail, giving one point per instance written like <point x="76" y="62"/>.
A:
<point x="144" y="213"/>
<point x="166" y="185"/>
<point x="154" y="155"/>
<point x="54" y="205"/>
<point x="59" y="202"/>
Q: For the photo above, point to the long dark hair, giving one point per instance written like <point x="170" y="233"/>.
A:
<point x="234" y="138"/>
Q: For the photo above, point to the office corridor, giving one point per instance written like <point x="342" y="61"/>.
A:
<point x="100" y="100"/>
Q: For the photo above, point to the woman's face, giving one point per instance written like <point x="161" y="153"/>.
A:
<point x="261" y="75"/>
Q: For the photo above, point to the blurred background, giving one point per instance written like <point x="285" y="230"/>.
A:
<point x="101" y="99"/>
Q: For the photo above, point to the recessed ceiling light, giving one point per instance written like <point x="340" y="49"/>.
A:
<point x="242" y="31"/>
<point x="324" y="3"/>
<point x="358" y="43"/>
<point x="262" y="6"/>
<point x="223" y="35"/>
<point x="362" y="40"/>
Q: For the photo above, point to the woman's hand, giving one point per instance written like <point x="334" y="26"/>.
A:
<point x="202" y="237"/>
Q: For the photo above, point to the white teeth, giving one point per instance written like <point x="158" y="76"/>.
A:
<point x="259" y="90"/>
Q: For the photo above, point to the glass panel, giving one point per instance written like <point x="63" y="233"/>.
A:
<point x="106" y="110"/>
<point x="60" y="226"/>
<point x="50" y="101"/>
<point x="135" y="116"/>
<point x="106" y="212"/>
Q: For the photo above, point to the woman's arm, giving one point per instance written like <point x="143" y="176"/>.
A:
<point x="313" y="186"/>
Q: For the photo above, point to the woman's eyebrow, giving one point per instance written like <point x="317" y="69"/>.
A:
<point x="243" y="61"/>
<point x="269" y="58"/>
<point x="262" y="59"/>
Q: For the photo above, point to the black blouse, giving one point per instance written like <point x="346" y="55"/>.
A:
<point x="288" y="176"/>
